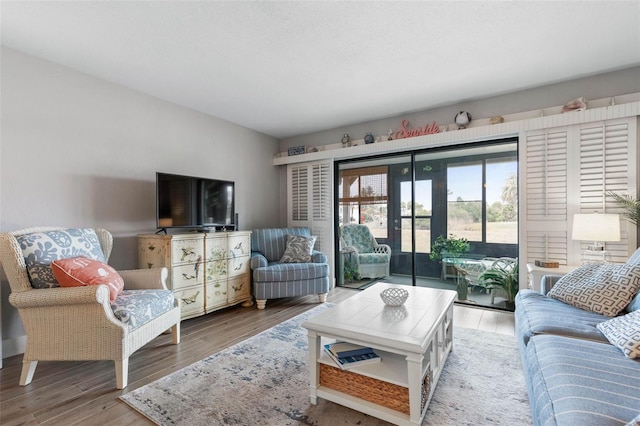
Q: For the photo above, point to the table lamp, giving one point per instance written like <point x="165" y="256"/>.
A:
<point x="596" y="227"/>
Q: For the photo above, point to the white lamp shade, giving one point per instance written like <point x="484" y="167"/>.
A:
<point x="596" y="227"/>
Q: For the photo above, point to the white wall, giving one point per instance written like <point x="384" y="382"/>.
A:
<point x="614" y="83"/>
<point x="600" y="86"/>
<point x="80" y="151"/>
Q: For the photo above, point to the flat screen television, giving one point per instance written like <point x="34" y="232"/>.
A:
<point x="193" y="202"/>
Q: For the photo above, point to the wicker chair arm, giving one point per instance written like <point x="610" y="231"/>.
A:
<point x="60" y="296"/>
<point x="382" y="248"/>
<point x="145" y="279"/>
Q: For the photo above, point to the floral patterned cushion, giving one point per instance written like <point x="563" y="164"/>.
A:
<point x="137" y="307"/>
<point x="359" y="237"/>
<point x="42" y="248"/>
<point x="299" y="248"/>
<point x="369" y="258"/>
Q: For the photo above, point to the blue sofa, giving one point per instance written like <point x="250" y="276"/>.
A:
<point x="574" y="375"/>
<point x="273" y="279"/>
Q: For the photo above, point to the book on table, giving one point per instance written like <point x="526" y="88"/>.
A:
<point x="348" y="355"/>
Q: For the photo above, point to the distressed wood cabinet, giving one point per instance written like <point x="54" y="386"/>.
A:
<point x="206" y="271"/>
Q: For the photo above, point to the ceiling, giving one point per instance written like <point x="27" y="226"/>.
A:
<point x="292" y="68"/>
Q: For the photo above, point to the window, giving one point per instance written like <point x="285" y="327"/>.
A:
<point x="482" y="200"/>
<point x="464" y="200"/>
<point x="424" y="211"/>
<point x="363" y="198"/>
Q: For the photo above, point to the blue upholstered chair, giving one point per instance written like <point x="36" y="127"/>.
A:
<point x="299" y="273"/>
<point x="372" y="259"/>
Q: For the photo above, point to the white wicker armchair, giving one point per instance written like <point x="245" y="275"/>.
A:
<point x="371" y="259"/>
<point x="78" y="323"/>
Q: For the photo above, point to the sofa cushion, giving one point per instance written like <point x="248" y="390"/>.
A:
<point x="605" y="288"/>
<point x="634" y="305"/>
<point x="41" y="248"/>
<point x="538" y="314"/>
<point x="272" y="242"/>
<point x="137" y="307"/>
<point x="578" y="382"/>
<point x="82" y="271"/>
<point x="299" y="248"/>
<point x="278" y="272"/>
<point x="624" y="333"/>
<point x="635" y="421"/>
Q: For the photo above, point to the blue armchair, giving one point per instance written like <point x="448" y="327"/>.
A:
<point x="275" y="276"/>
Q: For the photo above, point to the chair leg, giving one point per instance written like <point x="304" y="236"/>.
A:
<point x="322" y="297"/>
<point x="261" y="303"/>
<point x="122" y="373"/>
<point x="175" y="334"/>
<point x="28" y="368"/>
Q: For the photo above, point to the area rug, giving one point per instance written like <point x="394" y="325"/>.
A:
<point x="264" y="380"/>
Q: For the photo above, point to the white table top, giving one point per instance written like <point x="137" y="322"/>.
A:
<point x="366" y="320"/>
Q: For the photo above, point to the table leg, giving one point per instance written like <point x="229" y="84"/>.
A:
<point x="414" y="369"/>
<point x="314" y="368"/>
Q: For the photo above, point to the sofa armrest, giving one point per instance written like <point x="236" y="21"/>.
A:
<point x="145" y="279"/>
<point x="547" y="282"/>
<point x="318" y="257"/>
<point x="60" y="296"/>
<point x="258" y="260"/>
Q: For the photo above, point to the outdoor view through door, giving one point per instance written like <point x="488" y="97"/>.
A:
<point x="446" y="216"/>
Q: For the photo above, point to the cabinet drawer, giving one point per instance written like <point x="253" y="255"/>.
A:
<point x="239" y="245"/>
<point x="192" y="301"/>
<point x="216" y="294"/>
<point x="216" y="270"/>
<point x="154" y="252"/>
<point x="239" y="288"/>
<point x="188" y="250"/>
<point x="239" y="266"/>
<point x="187" y="275"/>
<point x="216" y="247"/>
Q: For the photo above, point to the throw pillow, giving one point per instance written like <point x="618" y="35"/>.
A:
<point x="624" y="333"/>
<point x="605" y="288"/>
<point x="298" y="249"/>
<point x="81" y="271"/>
<point x="41" y="248"/>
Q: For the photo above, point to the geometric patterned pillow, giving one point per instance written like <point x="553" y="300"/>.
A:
<point x="605" y="288"/>
<point x="298" y="249"/>
<point x="624" y="333"/>
<point x="41" y="248"/>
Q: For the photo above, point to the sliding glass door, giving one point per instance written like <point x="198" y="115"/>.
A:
<point x="412" y="201"/>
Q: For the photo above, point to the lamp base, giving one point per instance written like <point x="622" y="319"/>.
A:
<point x="596" y="256"/>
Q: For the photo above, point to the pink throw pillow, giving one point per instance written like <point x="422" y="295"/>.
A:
<point x="81" y="271"/>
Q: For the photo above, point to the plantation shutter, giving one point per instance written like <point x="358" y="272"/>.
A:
<point x="310" y="203"/>
<point x="571" y="170"/>
<point x="546" y="176"/>
<point x="299" y="193"/>
<point x="605" y="164"/>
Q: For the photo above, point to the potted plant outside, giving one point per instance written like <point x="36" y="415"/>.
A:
<point x="505" y="277"/>
<point x="449" y="247"/>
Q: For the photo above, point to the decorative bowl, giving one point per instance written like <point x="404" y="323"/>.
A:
<point x="394" y="296"/>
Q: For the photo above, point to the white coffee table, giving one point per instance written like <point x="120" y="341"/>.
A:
<point x="413" y="340"/>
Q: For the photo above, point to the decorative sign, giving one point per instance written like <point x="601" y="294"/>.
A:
<point x="296" y="150"/>
<point x="429" y="129"/>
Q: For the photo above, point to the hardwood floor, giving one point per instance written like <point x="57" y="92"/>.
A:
<point x="83" y="393"/>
